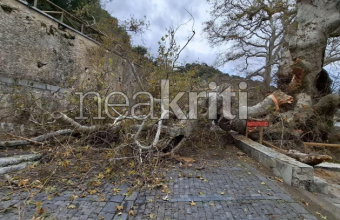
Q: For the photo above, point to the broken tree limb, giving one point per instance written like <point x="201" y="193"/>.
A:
<point x="26" y="139"/>
<point x="159" y="127"/>
<point x="6" y="161"/>
<point x="261" y="108"/>
<point x="271" y="102"/>
<point x="14" y="168"/>
<point x="35" y="139"/>
<point x="302" y="157"/>
<point x="62" y="118"/>
<point x="308" y="158"/>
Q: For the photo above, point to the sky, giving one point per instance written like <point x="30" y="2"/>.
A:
<point x="165" y="13"/>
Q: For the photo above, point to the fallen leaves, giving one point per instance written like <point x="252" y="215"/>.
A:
<point x="71" y="206"/>
<point x="23" y="182"/>
<point x="38" y="204"/>
<point x="119" y="207"/>
<point x="100" y="176"/>
<point x="96" y="183"/>
<point x="192" y="203"/>
<point x="50" y="190"/>
<point x="40" y="210"/>
<point x="65" y="163"/>
<point x="37" y="184"/>
<point x="129" y="192"/>
<point x="30" y="202"/>
<point x="321" y="216"/>
<point x="92" y="191"/>
<point x="116" y="191"/>
<point x="304" y="202"/>
<point x="102" y="199"/>
<point x="278" y="179"/>
<point x="74" y="197"/>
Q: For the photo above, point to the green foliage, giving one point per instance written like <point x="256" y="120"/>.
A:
<point x="202" y="70"/>
<point x="75" y="4"/>
<point x="92" y="13"/>
<point x="142" y="51"/>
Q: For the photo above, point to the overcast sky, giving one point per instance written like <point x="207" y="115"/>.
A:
<point x="165" y="13"/>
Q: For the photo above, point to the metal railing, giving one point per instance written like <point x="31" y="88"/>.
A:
<point x="68" y="19"/>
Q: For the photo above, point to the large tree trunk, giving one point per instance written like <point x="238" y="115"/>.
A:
<point x="301" y="74"/>
<point x="305" y="44"/>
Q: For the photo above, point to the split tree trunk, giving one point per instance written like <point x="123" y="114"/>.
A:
<point x="305" y="44"/>
<point x="301" y="74"/>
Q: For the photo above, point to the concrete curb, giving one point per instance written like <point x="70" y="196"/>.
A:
<point x="329" y="166"/>
<point x="291" y="171"/>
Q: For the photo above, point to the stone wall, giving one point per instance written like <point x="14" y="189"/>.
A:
<point x="47" y="58"/>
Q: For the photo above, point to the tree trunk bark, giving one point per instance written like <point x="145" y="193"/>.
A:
<point x="300" y="72"/>
<point x="305" y="44"/>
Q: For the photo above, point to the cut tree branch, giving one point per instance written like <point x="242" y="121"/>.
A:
<point x="35" y="139"/>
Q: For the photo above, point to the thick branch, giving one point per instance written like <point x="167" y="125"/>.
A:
<point x="61" y="117"/>
<point x="330" y="60"/>
<point x="271" y="102"/>
<point x="36" y="139"/>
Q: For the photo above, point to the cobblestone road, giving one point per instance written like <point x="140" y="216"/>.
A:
<point x="224" y="189"/>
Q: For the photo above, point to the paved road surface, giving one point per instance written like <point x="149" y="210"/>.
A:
<point x="224" y="189"/>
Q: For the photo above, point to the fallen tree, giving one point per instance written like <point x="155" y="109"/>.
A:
<point x="303" y="108"/>
<point x="301" y="74"/>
